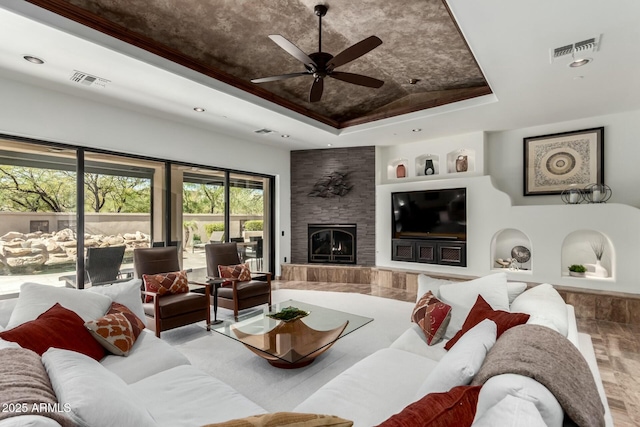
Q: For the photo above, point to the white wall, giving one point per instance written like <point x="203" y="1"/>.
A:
<point x="621" y="157"/>
<point x="48" y="115"/>
<point x="495" y="203"/>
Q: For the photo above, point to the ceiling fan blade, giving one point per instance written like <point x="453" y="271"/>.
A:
<point x="280" y="77"/>
<point x="354" y="52"/>
<point x="357" y="79"/>
<point x="293" y="50"/>
<point x="316" y="90"/>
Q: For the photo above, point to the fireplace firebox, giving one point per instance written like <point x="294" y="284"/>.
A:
<point x="332" y="243"/>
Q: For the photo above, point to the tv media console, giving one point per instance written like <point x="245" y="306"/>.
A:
<point x="442" y="252"/>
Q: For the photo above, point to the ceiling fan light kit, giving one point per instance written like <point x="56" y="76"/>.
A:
<point x="322" y="64"/>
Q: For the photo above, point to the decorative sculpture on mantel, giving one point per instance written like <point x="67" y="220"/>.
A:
<point x="331" y="185"/>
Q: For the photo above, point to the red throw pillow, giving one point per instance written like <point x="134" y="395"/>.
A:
<point x="457" y="407"/>
<point x="165" y="283"/>
<point x="240" y="272"/>
<point x="57" y="327"/>
<point x="117" y="330"/>
<point x="482" y="310"/>
<point x="433" y="316"/>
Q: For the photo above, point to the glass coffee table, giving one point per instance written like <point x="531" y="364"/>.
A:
<point x="295" y="343"/>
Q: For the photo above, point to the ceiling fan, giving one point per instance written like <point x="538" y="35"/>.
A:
<point x="322" y="64"/>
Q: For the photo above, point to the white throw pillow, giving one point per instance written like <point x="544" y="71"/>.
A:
<point x="461" y="296"/>
<point x="511" y="412"/>
<point x="8" y="344"/>
<point x="35" y="299"/>
<point x="545" y="307"/>
<point x="96" y="397"/>
<point x="514" y="289"/>
<point x="428" y="283"/>
<point x="462" y="362"/>
<point x="125" y="293"/>
<point x="523" y="388"/>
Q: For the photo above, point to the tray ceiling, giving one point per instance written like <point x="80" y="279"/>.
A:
<point x="228" y="40"/>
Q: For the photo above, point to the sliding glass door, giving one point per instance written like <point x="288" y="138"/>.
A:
<point x="38" y="229"/>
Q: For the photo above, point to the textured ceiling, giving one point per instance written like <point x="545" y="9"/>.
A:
<point x="228" y="40"/>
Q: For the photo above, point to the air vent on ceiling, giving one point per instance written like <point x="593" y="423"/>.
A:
<point x="580" y="48"/>
<point x="88" y="79"/>
<point x="263" y="131"/>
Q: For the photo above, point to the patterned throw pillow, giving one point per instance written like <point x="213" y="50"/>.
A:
<point x="117" y="330"/>
<point x="165" y="283"/>
<point x="433" y="316"/>
<point x="240" y="272"/>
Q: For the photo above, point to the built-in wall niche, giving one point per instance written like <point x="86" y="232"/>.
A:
<point x="581" y="247"/>
<point x="461" y="160"/>
<point x="427" y="165"/>
<point x="398" y="169"/>
<point x="510" y="243"/>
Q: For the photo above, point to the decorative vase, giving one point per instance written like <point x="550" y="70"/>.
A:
<point x="599" y="270"/>
<point x="429" y="168"/>
<point x="401" y="171"/>
<point x="462" y="163"/>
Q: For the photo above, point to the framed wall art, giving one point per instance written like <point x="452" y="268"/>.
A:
<point x="554" y="162"/>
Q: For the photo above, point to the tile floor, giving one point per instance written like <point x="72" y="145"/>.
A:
<point x="617" y="348"/>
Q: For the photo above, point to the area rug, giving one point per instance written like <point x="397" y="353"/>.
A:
<point x="282" y="389"/>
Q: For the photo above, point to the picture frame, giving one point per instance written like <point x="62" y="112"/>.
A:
<point x="554" y="162"/>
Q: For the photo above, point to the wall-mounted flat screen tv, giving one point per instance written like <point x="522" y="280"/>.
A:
<point x="430" y="214"/>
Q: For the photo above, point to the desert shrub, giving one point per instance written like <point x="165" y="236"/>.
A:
<point x="253" y="225"/>
<point x="214" y="226"/>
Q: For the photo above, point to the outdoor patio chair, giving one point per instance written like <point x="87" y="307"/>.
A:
<point x="101" y="267"/>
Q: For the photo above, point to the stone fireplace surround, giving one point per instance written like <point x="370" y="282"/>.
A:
<point x="357" y="206"/>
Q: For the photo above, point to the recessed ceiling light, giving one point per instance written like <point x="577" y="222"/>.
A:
<point x="329" y="145"/>
<point x="416" y="130"/>
<point x="285" y="136"/>
<point x="413" y="81"/>
<point x="33" y="59"/>
<point x="199" y="109"/>
<point x="580" y="62"/>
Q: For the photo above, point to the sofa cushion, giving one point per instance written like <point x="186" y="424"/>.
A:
<point x="373" y="389"/>
<point x="462" y="362"/>
<point x="136" y="366"/>
<point x="524" y="389"/>
<point x="515" y="289"/>
<point x="482" y="310"/>
<point x="173" y="305"/>
<point x="428" y="283"/>
<point x="117" y="330"/>
<point x="57" y="327"/>
<point x="246" y="289"/>
<point x="455" y="407"/>
<point x="125" y="293"/>
<point x="35" y="299"/>
<point x="29" y="421"/>
<point x="433" y="316"/>
<point x="8" y="344"/>
<point x="511" y="412"/>
<point x="24" y="383"/>
<point x="171" y="283"/>
<point x="414" y="341"/>
<point x="286" y="419"/>
<point x="202" y="399"/>
<point x="462" y="295"/>
<point x="239" y="271"/>
<point x="545" y="306"/>
<point x="95" y="396"/>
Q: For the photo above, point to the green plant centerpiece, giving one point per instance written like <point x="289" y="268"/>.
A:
<point x="577" y="270"/>
<point x="289" y="314"/>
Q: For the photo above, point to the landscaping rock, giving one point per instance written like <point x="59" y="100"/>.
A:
<point x="26" y="261"/>
<point x="12" y="235"/>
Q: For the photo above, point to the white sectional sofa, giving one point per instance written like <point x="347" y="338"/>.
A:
<point x="162" y="388"/>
